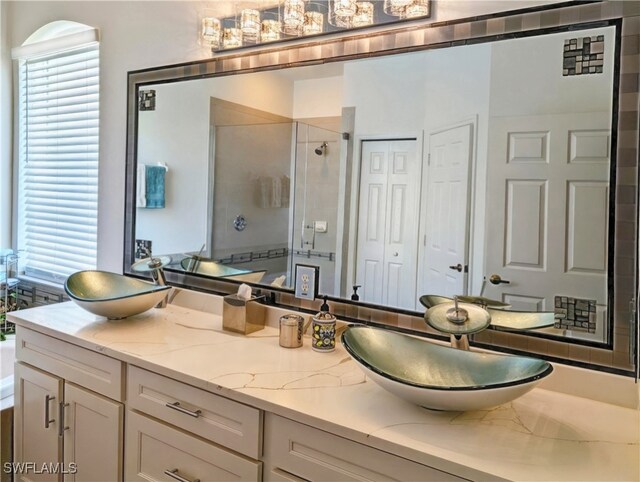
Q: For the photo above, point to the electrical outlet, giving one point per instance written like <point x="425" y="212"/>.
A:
<point x="143" y="246"/>
<point x="307" y="277"/>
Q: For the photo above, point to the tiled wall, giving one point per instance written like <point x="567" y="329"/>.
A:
<point x="444" y="34"/>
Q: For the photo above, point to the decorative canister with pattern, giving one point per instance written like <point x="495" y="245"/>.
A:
<point x="324" y="330"/>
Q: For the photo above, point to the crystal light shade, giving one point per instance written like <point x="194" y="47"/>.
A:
<point x="417" y="8"/>
<point x="293" y="16"/>
<point x="211" y="32"/>
<point x="270" y="30"/>
<point x="344" y="8"/>
<point x="313" y="23"/>
<point x="363" y="15"/>
<point x="231" y="38"/>
<point x="250" y="24"/>
<point x="396" y="7"/>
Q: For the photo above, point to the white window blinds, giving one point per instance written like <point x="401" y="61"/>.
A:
<point x="58" y="112"/>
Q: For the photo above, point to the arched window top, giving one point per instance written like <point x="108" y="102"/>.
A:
<point x="54" y="30"/>
<point x="55" y="37"/>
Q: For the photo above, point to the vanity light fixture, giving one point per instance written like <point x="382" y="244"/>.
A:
<point x="250" y="25"/>
<point x="313" y="23"/>
<point x="231" y="38"/>
<point x="293" y="16"/>
<point x="211" y="31"/>
<point x="344" y="8"/>
<point x="396" y="7"/>
<point x="270" y="30"/>
<point x="417" y="8"/>
<point x="363" y="15"/>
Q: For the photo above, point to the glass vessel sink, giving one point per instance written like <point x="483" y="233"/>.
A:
<point x="440" y="377"/>
<point x="113" y="295"/>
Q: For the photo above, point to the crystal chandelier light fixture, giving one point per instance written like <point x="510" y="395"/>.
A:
<point x="250" y="25"/>
<point x="211" y="30"/>
<point x="293" y="17"/>
<point x="396" y="8"/>
<point x="270" y="30"/>
<point x="363" y="15"/>
<point x="417" y="8"/>
<point x="344" y="8"/>
<point x="231" y="38"/>
<point x="313" y="23"/>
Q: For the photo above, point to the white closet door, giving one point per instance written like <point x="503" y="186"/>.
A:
<point x="388" y="222"/>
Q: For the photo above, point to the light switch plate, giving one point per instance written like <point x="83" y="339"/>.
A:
<point x="320" y="226"/>
<point x="307" y="277"/>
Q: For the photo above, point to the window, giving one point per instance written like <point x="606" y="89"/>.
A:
<point x="58" y="161"/>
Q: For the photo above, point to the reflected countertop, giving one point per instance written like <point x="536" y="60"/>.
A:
<point x="543" y="435"/>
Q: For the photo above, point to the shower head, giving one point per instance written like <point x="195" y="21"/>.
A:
<point x="320" y="151"/>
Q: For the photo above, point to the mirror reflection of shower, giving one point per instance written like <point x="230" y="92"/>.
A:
<point x="322" y="150"/>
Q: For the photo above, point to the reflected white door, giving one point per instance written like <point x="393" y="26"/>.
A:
<point x="447" y="215"/>
<point x="548" y="187"/>
<point x="388" y="222"/>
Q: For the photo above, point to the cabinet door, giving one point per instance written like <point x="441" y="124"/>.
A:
<point x="157" y="452"/>
<point x="37" y="398"/>
<point x="92" y="437"/>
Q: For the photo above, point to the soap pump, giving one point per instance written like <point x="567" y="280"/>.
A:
<point x="324" y="329"/>
<point x="355" y="296"/>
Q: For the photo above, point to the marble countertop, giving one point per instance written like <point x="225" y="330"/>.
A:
<point x="543" y="435"/>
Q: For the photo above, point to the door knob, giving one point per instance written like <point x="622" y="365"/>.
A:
<point x="495" y="279"/>
<point x="457" y="267"/>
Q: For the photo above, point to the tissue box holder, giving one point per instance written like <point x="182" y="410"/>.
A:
<point x="242" y="316"/>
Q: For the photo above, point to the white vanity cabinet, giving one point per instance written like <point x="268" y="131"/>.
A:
<point x="58" y="421"/>
<point x="223" y="443"/>
<point x="294" y="452"/>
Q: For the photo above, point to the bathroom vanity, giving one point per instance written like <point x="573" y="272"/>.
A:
<point x="169" y="395"/>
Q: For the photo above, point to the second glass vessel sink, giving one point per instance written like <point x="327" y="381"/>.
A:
<point x="440" y="377"/>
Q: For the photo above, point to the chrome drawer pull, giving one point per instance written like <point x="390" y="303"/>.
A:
<point x="175" y="475"/>
<point x="176" y="406"/>
<point x="47" y="419"/>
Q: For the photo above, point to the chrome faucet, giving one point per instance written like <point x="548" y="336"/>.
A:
<point x="458" y="322"/>
<point x="157" y="274"/>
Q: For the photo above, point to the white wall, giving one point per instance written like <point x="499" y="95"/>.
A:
<point x="541" y="69"/>
<point x="317" y="98"/>
<point x="138" y="35"/>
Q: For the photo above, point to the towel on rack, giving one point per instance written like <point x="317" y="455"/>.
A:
<point x="264" y="192"/>
<point x="141" y="186"/>
<point x="155" y="189"/>
<point x="276" y="192"/>
<point x="285" y="186"/>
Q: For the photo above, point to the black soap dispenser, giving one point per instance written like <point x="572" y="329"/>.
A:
<point x="355" y="296"/>
<point x="324" y="329"/>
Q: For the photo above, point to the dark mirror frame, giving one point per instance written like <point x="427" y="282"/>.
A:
<point x="619" y="354"/>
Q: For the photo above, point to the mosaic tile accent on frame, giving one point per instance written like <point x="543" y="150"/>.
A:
<point x="147" y="100"/>
<point x="575" y="314"/>
<point x="583" y="56"/>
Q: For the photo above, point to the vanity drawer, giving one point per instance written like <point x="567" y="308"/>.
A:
<point x="100" y="373"/>
<point x="153" y="450"/>
<point x="313" y="454"/>
<point x="213" y="417"/>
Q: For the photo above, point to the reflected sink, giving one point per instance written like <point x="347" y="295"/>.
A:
<point x="440" y="377"/>
<point x="113" y="295"/>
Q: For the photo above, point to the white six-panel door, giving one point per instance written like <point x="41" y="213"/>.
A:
<point x="447" y="215"/>
<point x="388" y="222"/>
<point x="547" y="208"/>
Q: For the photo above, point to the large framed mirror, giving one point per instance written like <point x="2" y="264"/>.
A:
<point x="487" y="168"/>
